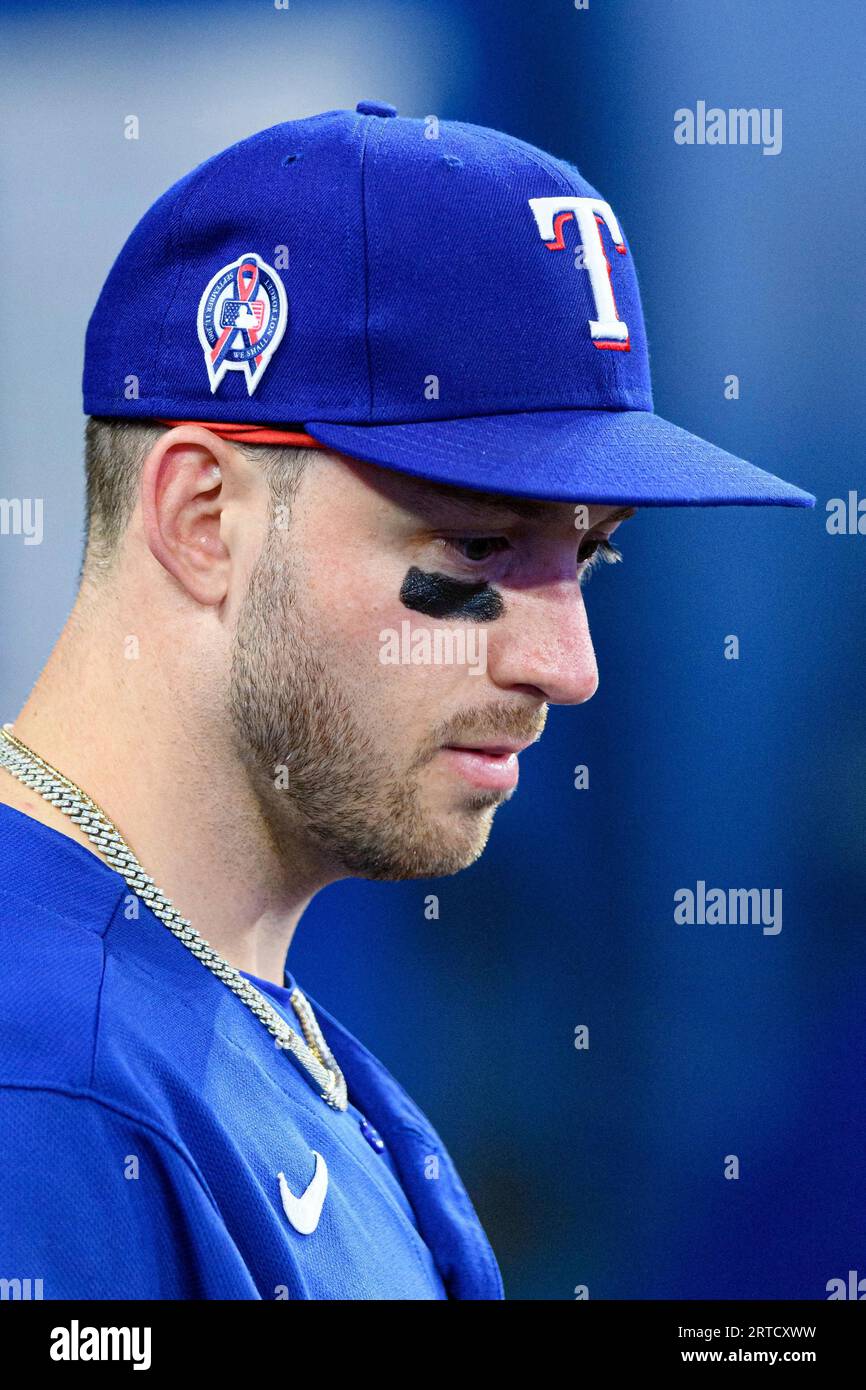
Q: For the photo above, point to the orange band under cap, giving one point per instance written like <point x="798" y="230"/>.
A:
<point x="252" y="434"/>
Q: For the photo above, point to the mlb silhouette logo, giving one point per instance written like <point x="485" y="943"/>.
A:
<point x="241" y="313"/>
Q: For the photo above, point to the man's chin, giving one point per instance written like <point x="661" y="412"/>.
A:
<point x="441" y="845"/>
<point x="415" y="836"/>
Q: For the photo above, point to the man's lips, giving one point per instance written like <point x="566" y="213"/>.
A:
<point x="492" y="766"/>
<point x="495" y="747"/>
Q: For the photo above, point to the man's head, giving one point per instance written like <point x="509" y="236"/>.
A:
<point x="274" y="584"/>
<point x="355" y="306"/>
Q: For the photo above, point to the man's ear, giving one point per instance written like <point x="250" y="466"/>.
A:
<point x="186" y="480"/>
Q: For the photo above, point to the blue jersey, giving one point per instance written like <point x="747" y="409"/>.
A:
<point x="157" y="1144"/>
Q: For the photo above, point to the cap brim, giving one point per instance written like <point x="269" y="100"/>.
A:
<point x="611" y="456"/>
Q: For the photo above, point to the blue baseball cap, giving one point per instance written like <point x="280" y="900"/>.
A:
<point x="430" y="296"/>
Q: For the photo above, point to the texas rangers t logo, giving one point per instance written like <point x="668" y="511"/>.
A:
<point x="241" y="319"/>
<point x="607" y="329"/>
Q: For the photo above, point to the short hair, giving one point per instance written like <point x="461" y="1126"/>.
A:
<point x="114" y="453"/>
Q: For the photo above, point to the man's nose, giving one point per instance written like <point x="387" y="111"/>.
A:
<point x="543" y="642"/>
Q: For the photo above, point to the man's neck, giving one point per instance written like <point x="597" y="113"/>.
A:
<point x="120" y="727"/>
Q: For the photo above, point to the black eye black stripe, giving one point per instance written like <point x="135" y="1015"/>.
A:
<point x="440" y="596"/>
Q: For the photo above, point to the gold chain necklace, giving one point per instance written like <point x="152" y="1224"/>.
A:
<point x="40" y="776"/>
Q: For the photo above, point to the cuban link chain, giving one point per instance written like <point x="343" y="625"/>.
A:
<point x="314" y="1055"/>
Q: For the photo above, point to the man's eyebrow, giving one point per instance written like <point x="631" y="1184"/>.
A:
<point x="531" y="509"/>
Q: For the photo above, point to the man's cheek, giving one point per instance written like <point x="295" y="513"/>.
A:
<point x="346" y="605"/>
<point x="437" y="655"/>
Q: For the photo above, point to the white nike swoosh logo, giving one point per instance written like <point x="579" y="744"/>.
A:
<point x="304" y="1211"/>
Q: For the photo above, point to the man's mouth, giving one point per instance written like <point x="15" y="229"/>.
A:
<point x="492" y="766"/>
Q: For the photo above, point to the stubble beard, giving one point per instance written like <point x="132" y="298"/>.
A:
<point x="314" y="767"/>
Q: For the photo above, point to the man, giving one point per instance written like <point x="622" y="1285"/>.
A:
<point x="355" y="376"/>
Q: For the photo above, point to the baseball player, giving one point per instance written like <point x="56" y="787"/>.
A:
<point x="355" y="376"/>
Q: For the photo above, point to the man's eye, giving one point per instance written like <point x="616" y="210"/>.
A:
<point x="596" y="549"/>
<point x="477" y="548"/>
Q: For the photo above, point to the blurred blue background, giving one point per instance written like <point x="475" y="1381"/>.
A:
<point x="602" y="1167"/>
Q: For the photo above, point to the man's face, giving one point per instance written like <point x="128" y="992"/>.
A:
<point x="390" y="628"/>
